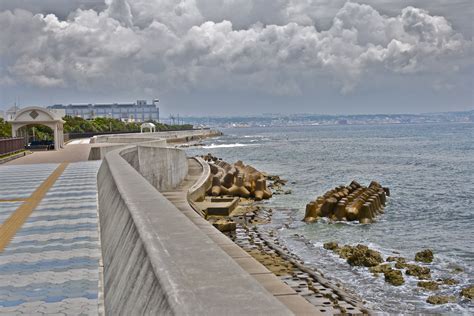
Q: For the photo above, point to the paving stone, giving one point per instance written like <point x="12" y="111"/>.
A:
<point x="52" y="262"/>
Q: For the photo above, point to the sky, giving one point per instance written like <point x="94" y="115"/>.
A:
<point x="240" y="57"/>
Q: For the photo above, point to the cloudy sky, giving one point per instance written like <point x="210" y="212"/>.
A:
<point x="227" y="57"/>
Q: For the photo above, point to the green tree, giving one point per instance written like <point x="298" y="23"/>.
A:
<point x="105" y="124"/>
<point x="5" y="129"/>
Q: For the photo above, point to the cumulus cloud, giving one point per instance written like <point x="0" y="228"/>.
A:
<point x="161" y="45"/>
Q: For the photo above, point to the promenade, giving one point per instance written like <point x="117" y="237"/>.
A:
<point x="50" y="254"/>
<point x="156" y="254"/>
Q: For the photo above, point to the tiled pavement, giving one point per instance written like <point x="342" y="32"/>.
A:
<point x="51" y="266"/>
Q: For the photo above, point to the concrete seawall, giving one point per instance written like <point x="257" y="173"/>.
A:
<point x="164" y="168"/>
<point x="103" y="144"/>
<point x="156" y="261"/>
<point x="174" y="136"/>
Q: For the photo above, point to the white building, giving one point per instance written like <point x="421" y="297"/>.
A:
<point x="140" y="111"/>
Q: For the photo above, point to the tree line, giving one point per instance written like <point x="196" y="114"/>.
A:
<point x="78" y="125"/>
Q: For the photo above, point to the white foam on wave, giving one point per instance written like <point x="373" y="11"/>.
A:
<point x="225" y="145"/>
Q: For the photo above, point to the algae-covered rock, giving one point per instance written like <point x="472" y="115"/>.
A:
<point x="425" y="256"/>
<point x="401" y="265"/>
<point x="448" y="281"/>
<point x="345" y="251"/>
<point x="396" y="259"/>
<point x="381" y="268"/>
<point x="468" y="292"/>
<point x="428" y="285"/>
<point x="418" y="271"/>
<point x="332" y="245"/>
<point x="364" y="256"/>
<point x="394" y="277"/>
<point x="440" y="299"/>
<point x="457" y="270"/>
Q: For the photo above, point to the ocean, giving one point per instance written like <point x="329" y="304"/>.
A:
<point x="429" y="169"/>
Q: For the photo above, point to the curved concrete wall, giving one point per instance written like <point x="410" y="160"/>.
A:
<point x="198" y="191"/>
<point x="156" y="261"/>
<point x="163" y="136"/>
<point x="164" y="168"/>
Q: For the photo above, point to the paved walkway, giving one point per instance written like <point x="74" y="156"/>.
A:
<point x="49" y="235"/>
<point x="70" y="153"/>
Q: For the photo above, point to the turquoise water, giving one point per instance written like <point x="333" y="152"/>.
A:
<point x="429" y="170"/>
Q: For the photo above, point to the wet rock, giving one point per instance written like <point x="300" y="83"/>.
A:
<point x="425" y="256"/>
<point x="428" y="285"/>
<point x="400" y="265"/>
<point x="468" y="292"/>
<point x="364" y="256"/>
<point x="448" y="281"/>
<point x="345" y="251"/>
<point x="440" y="299"/>
<point x="381" y="268"/>
<point x="420" y="272"/>
<point x="332" y="245"/>
<point x="396" y="259"/>
<point x="457" y="270"/>
<point x="394" y="277"/>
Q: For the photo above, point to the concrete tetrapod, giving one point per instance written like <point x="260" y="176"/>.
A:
<point x="349" y="203"/>
<point x="238" y="189"/>
<point x="236" y="179"/>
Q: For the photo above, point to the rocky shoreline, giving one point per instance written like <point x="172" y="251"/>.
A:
<point x="265" y="247"/>
<point x="242" y="187"/>
<point x="243" y="225"/>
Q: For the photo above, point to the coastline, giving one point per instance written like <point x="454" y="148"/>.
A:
<point x="259" y="145"/>
<point x="307" y="282"/>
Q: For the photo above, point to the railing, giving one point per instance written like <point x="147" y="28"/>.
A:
<point x="11" y="145"/>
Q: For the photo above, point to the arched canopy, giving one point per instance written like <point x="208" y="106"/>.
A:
<point x="150" y="126"/>
<point x="38" y="115"/>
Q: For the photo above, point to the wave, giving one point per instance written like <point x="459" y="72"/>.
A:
<point x="254" y="136"/>
<point x="225" y="145"/>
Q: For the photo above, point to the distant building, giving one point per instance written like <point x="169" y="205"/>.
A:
<point x="140" y="111"/>
<point x="10" y="113"/>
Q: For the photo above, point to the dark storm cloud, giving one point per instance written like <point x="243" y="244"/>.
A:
<point x="274" y="47"/>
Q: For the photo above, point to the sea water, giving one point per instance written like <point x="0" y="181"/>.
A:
<point x="429" y="169"/>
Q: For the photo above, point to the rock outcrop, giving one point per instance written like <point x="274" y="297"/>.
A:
<point x="425" y="256"/>
<point x="349" y="203"/>
<point x="359" y="255"/>
<point x="468" y="292"/>
<point x="331" y="245"/>
<point x="428" y="285"/>
<point x="422" y="273"/>
<point x="364" y="256"/>
<point x="440" y="299"/>
<point x="394" y="277"/>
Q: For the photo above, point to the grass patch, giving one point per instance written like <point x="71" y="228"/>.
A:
<point x="12" y="154"/>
